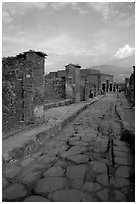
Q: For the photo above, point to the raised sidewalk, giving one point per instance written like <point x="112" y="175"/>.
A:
<point x="24" y="143"/>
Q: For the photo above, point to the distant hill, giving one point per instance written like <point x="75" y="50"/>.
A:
<point x="118" y="72"/>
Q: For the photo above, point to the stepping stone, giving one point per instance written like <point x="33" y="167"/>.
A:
<point x="74" y="172"/>
<point x="98" y="167"/>
<point x="30" y="178"/>
<point x="81" y="143"/>
<point x="79" y="159"/>
<point x="77" y="183"/>
<point x="92" y="187"/>
<point x="54" y="171"/>
<point x="123" y="171"/>
<point x="13" y="172"/>
<point x="103" y="179"/>
<point x="36" y="199"/>
<point x="121" y="182"/>
<point x="50" y="184"/>
<point x="4" y="182"/>
<point x="68" y="195"/>
<point x="103" y="195"/>
<point x="122" y="161"/>
<point x="120" y="197"/>
<point x="14" y="192"/>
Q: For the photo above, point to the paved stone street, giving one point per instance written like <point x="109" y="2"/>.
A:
<point x="86" y="161"/>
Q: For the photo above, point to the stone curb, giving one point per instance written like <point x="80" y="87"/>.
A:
<point x="59" y="103"/>
<point x="46" y="132"/>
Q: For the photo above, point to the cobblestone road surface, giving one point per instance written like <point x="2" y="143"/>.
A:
<point x="86" y="162"/>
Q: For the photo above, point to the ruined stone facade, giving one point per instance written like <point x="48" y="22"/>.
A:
<point x="92" y="82"/>
<point x="22" y="86"/>
<point x="130" y="87"/>
<point x="26" y="88"/>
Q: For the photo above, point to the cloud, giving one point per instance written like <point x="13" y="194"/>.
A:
<point x="6" y="18"/>
<point x="74" y="6"/>
<point x="124" y="52"/>
<point x="15" y="8"/>
<point x="103" y="8"/>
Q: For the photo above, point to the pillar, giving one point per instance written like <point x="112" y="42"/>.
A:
<point x="72" y="86"/>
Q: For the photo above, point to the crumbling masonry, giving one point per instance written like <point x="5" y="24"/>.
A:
<point x="26" y="89"/>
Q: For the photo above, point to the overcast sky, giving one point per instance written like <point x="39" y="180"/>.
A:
<point x="83" y="33"/>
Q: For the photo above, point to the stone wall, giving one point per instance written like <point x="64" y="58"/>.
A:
<point x="130" y="87"/>
<point x="22" y="87"/>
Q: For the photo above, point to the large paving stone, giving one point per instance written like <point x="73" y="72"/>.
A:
<point x="46" y="160"/>
<point x="63" y="149"/>
<point x="30" y="178"/>
<point x="102" y="179"/>
<point x="62" y="164"/>
<point x="60" y="144"/>
<point x="121" y="149"/>
<point x="86" y="197"/>
<point x="121" y="182"/>
<point x="123" y="171"/>
<point x="50" y="184"/>
<point x="92" y="187"/>
<point x="54" y="171"/>
<point x="98" y="167"/>
<point x="4" y="182"/>
<point x="81" y="143"/>
<point x="122" y="161"/>
<point x="90" y="175"/>
<point x="27" y="161"/>
<point x="77" y="184"/>
<point x="74" y="172"/>
<point x="79" y="159"/>
<point x="53" y="152"/>
<point x="121" y="154"/>
<point x="120" y="197"/>
<point x="13" y="171"/>
<point x="35" y="198"/>
<point x="68" y="195"/>
<point x="76" y="138"/>
<point x="103" y="195"/>
<point x="119" y="143"/>
<point x="14" y="192"/>
<point x="87" y="138"/>
<point x="74" y="151"/>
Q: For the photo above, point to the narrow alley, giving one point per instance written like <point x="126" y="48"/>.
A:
<point x="85" y="162"/>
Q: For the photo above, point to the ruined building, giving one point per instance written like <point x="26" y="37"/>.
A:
<point x="22" y="86"/>
<point x="26" y="89"/>
<point x="130" y="87"/>
<point x="90" y="81"/>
